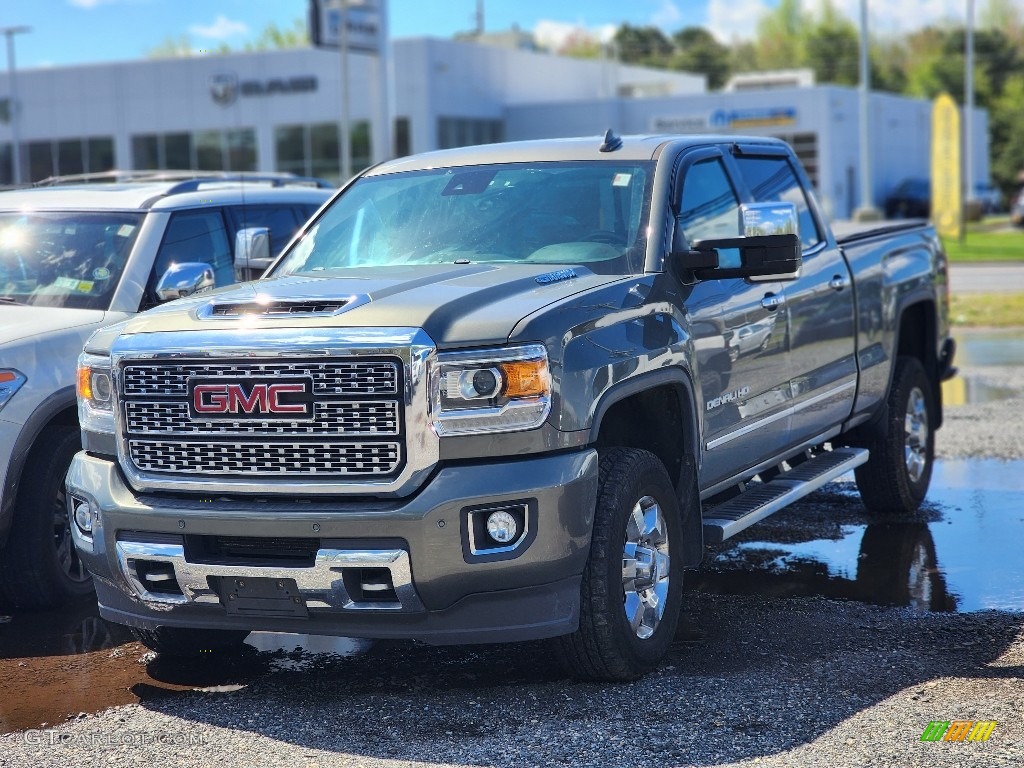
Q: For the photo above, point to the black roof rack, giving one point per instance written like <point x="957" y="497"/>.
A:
<point x="188" y="180"/>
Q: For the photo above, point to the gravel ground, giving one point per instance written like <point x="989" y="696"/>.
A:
<point x="751" y="681"/>
<point x="987" y="430"/>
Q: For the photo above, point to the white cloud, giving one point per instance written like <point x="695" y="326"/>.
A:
<point x="903" y="16"/>
<point x="668" y="16"/>
<point x="221" y="28"/>
<point x="555" y="34"/>
<point x="730" y="20"/>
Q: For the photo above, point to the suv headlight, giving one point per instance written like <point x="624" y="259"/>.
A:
<point x="95" y="394"/>
<point x="498" y="390"/>
<point x="10" y="382"/>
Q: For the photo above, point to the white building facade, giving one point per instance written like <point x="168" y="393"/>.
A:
<point x="280" y="110"/>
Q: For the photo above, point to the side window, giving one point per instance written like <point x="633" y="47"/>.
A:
<point x="195" y="236"/>
<point x="772" y="178"/>
<point x="709" y="207"/>
<point x="279" y="219"/>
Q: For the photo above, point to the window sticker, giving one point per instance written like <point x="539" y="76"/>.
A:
<point x="125" y="230"/>
<point x="622" y="179"/>
<point x="101" y="273"/>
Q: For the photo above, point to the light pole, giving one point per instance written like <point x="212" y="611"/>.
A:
<point x="867" y="210"/>
<point x="15" y="107"/>
<point x="969" y="104"/>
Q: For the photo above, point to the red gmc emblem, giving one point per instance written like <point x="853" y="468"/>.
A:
<point x="250" y="398"/>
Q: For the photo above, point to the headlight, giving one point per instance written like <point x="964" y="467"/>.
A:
<point x="95" y="394"/>
<point x="499" y="390"/>
<point x="10" y="382"/>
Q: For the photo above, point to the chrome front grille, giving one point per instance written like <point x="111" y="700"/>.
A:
<point x="329" y="377"/>
<point x="367" y="418"/>
<point x="265" y="458"/>
<point x="356" y="428"/>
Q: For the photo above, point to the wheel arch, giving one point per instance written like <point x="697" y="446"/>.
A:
<point x="655" y="411"/>
<point x="59" y="409"/>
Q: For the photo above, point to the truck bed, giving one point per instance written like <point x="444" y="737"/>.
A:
<point x="852" y="231"/>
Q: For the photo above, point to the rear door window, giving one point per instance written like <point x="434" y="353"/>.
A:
<point x="771" y="178"/>
<point x="195" y="236"/>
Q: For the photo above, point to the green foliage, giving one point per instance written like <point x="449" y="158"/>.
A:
<point x="832" y="47"/>
<point x="274" y="37"/>
<point x="698" y="51"/>
<point x="642" y="45"/>
<point x="781" y="36"/>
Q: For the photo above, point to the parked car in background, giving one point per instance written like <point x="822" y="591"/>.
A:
<point x="1017" y="209"/>
<point x="990" y="197"/>
<point x="73" y="258"/>
<point x="912" y="199"/>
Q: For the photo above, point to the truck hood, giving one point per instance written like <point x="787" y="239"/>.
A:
<point x="456" y="304"/>
<point x="20" y="321"/>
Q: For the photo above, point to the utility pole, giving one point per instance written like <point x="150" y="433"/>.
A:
<point x="15" y="107"/>
<point x="346" y="122"/>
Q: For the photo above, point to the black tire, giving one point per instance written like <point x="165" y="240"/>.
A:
<point x="39" y="566"/>
<point x="888" y="484"/>
<point x="606" y="647"/>
<point x="186" y="642"/>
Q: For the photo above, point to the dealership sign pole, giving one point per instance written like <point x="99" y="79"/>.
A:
<point x="355" y="26"/>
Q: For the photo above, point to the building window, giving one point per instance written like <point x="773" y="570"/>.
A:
<point x="403" y="137"/>
<point x="465" y="131"/>
<point x="232" y="150"/>
<point x="805" y="147"/>
<point x="314" y="150"/>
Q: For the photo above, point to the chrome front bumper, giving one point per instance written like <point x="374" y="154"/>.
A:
<point x="320" y="586"/>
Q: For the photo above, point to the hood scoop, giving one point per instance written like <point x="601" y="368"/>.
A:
<point x="278" y="308"/>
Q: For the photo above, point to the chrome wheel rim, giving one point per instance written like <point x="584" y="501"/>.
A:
<point x="70" y="563"/>
<point x="915" y="427"/>
<point x="645" y="567"/>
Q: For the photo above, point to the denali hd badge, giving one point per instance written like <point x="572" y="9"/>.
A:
<point x="286" y="399"/>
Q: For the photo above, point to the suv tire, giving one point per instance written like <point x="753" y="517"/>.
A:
<point x="39" y="566"/>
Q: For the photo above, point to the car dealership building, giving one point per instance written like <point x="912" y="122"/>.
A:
<point x="280" y="110"/>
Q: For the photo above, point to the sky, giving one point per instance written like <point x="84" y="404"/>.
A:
<point x="68" y="32"/>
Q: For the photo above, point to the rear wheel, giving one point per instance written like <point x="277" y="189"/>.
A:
<point x="895" y="478"/>
<point x="632" y="585"/>
<point x="188" y="642"/>
<point x="39" y="566"/>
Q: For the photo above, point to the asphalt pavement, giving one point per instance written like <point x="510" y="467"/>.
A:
<point x="986" y="278"/>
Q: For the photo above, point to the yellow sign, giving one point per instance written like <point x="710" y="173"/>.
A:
<point x="947" y="212"/>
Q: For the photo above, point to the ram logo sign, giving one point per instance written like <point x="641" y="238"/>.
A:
<point x="290" y="399"/>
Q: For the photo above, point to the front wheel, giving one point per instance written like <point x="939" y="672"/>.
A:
<point x="896" y="476"/>
<point x="632" y="585"/>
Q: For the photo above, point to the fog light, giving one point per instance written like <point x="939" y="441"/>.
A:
<point x="502" y="527"/>
<point x="83" y="517"/>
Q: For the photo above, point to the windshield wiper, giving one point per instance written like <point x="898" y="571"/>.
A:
<point x="8" y="300"/>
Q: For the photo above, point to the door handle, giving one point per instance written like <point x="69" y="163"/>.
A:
<point x="771" y="302"/>
<point x="837" y="283"/>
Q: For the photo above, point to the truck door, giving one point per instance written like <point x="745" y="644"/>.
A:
<point x="743" y="376"/>
<point x="819" y="303"/>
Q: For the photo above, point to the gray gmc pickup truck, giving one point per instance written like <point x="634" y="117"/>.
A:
<point x="507" y="393"/>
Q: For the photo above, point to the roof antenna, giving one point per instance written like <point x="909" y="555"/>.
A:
<point x="611" y="142"/>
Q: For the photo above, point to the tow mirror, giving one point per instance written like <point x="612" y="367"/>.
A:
<point x="182" y="280"/>
<point x="252" y="252"/>
<point x="769" y="249"/>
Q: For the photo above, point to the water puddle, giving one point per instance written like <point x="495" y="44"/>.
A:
<point x="58" y="664"/>
<point x="989" y="347"/>
<point x="962" y="553"/>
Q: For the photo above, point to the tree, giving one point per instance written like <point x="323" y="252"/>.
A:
<point x="642" y="45"/>
<point x="780" y="37"/>
<point x="274" y="37"/>
<point x="1007" y="141"/>
<point x="832" y="47"/>
<point x="698" y="51"/>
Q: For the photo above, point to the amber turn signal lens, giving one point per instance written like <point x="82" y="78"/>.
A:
<point x="525" y="378"/>
<point x="85" y="382"/>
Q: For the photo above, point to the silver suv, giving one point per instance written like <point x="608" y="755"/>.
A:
<point x="77" y="257"/>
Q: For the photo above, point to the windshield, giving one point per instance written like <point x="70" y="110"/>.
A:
<point x="64" y="259"/>
<point x="590" y="213"/>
